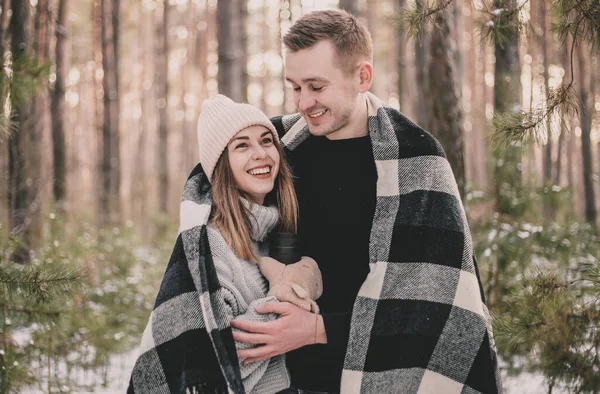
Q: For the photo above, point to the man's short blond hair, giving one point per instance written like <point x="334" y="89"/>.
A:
<point x="350" y="38"/>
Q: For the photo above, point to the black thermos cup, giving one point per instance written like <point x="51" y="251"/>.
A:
<point x="284" y="247"/>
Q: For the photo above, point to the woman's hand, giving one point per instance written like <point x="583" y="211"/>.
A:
<point x="294" y="328"/>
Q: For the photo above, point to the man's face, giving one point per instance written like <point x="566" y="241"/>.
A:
<point x="325" y="95"/>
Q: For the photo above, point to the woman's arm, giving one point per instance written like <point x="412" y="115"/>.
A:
<point x="252" y="373"/>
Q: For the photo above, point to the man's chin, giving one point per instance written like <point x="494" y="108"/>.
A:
<point x="318" y="131"/>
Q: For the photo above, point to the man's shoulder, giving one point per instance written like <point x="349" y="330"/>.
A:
<point x="412" y="139"/>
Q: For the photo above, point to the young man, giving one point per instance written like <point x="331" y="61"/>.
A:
<point x="402" y="308"/>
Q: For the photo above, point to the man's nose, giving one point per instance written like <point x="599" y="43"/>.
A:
<point x="305" y="101"/>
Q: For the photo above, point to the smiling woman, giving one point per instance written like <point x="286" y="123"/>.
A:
<point x="241" y="191"/>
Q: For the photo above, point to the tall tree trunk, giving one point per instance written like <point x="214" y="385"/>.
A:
<point x="564" y="122"/>
<point x="110" y="130"/>
<point x="201" y="53"/>
<point x="231" y="53"/>
<point x="162" y="102"/>
<point x="507" y="99"/>
<point x="421" y="49"/>
<point x="546" y="41"/>
<point x="58" y="103"/>
<point x="443" y="97"/>
<point x="243" y="12"/>
<point x="20" y="195"/>
<point x="400" y="57"/>
<point x="586" y="127"/>
<point x="187" y="70"/>
<point x="39" y="118"/>
<point x="288" y="104"/>
<point x="265" y="46"/>
<point x="4" y="20"/>
<point x="145" y="58"/>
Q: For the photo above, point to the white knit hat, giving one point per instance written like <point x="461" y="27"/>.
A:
<point x="221" y="119"/>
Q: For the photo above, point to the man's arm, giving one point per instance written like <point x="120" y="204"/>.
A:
<point x="294" y="329"/>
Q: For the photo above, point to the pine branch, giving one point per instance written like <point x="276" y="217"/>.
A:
<point x="524" y="126"/>
<point x="40" y="283"/>
<point x="26" y="76"/>
<point x="415" y="18"/>
<point x="501" y="25"/>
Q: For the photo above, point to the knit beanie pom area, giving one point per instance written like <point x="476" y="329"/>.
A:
<point x="220" y="120"/>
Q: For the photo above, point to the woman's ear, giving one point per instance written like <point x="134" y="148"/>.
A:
<point x="365" y="74"/>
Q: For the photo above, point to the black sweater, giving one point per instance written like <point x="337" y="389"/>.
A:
<point x="336" y="187"/>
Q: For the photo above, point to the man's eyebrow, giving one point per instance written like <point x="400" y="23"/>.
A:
<point x="307" y="80"/>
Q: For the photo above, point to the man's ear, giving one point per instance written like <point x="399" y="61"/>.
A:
<point x="365" y="74"/>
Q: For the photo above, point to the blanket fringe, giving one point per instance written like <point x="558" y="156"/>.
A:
<point x="205" y="388"/>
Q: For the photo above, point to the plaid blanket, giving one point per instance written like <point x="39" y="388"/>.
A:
<point x="188" y="345"/>
<point x="419" y="324"/>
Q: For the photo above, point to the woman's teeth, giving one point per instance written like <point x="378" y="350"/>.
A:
<point x="258" y="171"/>
<point x="317" y="114"/>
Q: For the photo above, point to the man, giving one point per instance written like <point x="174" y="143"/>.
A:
<point x="402" y="307"/>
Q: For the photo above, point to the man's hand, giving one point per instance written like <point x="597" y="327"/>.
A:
<point x="294" y="328"/>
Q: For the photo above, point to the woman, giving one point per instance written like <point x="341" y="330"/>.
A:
<point x="241" y="190"/>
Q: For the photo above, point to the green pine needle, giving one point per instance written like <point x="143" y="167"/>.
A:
<point x="39" y="284"/>
<point x="526" y="126"/>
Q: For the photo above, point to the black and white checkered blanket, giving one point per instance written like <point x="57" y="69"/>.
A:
<point x="188" y="345"/>
<point x="419" y="324"/>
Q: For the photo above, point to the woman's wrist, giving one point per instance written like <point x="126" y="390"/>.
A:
<point x="320" y="333"/>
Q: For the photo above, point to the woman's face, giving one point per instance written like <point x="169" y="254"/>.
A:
<point x="254" y="161"/>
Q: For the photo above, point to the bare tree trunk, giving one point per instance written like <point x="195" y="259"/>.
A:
<point x="443" y="97"/>
<point x="400" y="57"/>
<point x="507" y="99"/>
<point x="202" y="40"/>
<point x="39" y="111"/>
<point x="4" y="20"/>
<point x="566" y="59"/>
<point x="265" y="46"/>
<point x="187" y="70"/>
<point x="20" y="195"/>
<point x="546" y="46"/>
<point x="421" y="49"/>
<point x="231" y="53"/>
<point x="287" y="105"/>
<point x="162" y="103"/>
<point x="586" y="127"/>
<point x="58" y="103"/>
<point x="139" y="201"/>
<point x="243" y="12"/>
<point x="110" y="132"/>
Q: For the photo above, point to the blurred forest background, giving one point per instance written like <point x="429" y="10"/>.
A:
<point x="98" y="133"/>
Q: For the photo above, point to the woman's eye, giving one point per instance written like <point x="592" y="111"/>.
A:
<point x="267" y="140"/>
<point x="242" y="145"/>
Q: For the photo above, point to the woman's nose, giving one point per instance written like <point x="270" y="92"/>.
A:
<point x="259" y="153"/>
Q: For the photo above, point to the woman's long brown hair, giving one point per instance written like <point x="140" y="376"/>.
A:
<point x="230" y="216"/>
